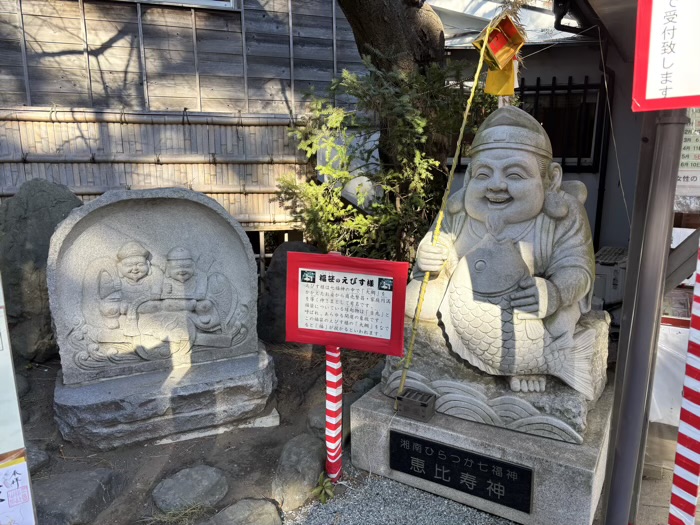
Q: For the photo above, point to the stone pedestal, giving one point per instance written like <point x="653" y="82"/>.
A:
<point x="567" y="479"/>
<point x="116" y="412"/>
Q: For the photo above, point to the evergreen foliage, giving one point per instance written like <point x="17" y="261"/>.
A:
<point x="418" y="116"/>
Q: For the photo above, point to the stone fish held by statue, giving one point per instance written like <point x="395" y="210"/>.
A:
<point x="485" y="330"/>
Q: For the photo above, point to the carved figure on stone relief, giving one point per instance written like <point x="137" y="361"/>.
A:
<point x="140" y="282"/>
<point x="208" y="299"/>
<point x="133" y="310"/>
<point x="515" y="263"/>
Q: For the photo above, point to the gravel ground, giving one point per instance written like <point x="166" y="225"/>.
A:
<point x="373" y="500"/>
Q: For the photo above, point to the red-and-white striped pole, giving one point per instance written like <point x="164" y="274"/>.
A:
<point x="334" y="413"/>
<point x="686" y="473"/>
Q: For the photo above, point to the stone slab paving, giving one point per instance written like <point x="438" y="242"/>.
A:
<point x="655" y="499"/>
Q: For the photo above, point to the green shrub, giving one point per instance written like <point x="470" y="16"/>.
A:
<point x="418" y="118"/>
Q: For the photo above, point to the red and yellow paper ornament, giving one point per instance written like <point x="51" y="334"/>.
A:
<point x="503" y="44"/>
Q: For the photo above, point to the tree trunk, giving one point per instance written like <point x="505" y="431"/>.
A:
<point x="403" y="34"/>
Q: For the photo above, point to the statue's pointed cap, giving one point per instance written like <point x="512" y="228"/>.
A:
<point x="510" y="127"/>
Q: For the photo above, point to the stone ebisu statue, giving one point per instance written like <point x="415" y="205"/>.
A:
<point x="514" y="266"/>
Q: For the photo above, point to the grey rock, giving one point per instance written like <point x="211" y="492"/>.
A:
<point x="27" y="222"/>
<point x="271" y="319"/>
<point x="298" y="470"/>
<point x="125" y="410"/>
<point x="75" y="498"/>
<point x="200" y="485"/>
<point x="316" y="421"/>
<point x="349" y="399"/>
<point x="36" y="458"/>
<point x="375" y="374"/>
<point x="22" y="385"/>
<point x="248" y="512"/>
<point x="364" y="385"/>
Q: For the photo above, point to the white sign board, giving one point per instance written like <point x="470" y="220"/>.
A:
<point x="665" y="75"/>
<point x="15" y="493"/>
<point x="347" y="303"/>
<point x="688" y="180"/>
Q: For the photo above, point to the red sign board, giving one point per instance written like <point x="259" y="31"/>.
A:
<point x="347" y="302"/>
<point x="665" y="74"/>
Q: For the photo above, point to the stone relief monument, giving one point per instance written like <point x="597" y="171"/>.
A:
<point x="160" y="283"/>
<point x="506" y="338"/>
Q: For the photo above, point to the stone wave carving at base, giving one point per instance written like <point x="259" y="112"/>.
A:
<point x="464" y="402"/>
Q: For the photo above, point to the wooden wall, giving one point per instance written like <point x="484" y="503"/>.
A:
<point x="236" y="163"/>
<point x="107" y="54"/>
<point x="139" y="96"/>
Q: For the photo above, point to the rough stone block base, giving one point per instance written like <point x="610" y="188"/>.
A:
<point x="125" y="410"/>
<point x="567" y="478"/>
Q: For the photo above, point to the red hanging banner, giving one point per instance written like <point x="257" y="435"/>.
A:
<point x="665" y="75"/>
<point x="347" y="302"/>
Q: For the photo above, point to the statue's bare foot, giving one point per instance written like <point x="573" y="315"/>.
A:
<point x="528" y="383"/>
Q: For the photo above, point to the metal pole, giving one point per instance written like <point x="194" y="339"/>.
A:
<point x="646" y="156"/>
<point x="651" y="227"/>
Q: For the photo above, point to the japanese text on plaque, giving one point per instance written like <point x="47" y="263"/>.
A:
<point x="347" y="303"/>
<point x="475" y="474"/>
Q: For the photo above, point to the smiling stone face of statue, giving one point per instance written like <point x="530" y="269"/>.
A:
<point x="504" y="184"/>
<point x="132" y="262"/>
<point x="180" y="265"/>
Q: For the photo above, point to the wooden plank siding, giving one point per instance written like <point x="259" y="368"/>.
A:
<point x="11" y="62"/>
<point x="280" y="67"/>
<point x="220" y="61"/>
<point x="245" y="189"/>
<point x="105" y="57"/>
<point x="115" y="61"/>
<point x="268" y="56"/>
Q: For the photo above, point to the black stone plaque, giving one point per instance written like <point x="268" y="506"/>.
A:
<point x="481" y="476"/>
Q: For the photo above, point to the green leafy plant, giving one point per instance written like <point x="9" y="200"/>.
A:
<point x="324" y="490"/>
<point x="396" y="130"/>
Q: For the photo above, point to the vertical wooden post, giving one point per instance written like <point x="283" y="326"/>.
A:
<point x="335" y="41"/>
<point x="196" y="60"/>
<point x="23" y="46"/>
<point x="142" y="50"/>
<point x="261" y="237"/>
<point x="86" y="51"/>
<point x="245" y="56"/>
<point x="291" y="60"/>
<point x="334" y="413"/>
